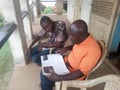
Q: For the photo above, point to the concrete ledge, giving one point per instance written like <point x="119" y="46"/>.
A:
<point x="5" y="32"/>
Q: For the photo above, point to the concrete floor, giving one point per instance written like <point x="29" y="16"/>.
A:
<point x="27" y="77"/>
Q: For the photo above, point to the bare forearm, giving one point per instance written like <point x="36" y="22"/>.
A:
<point x="50" y="45"/>
<point x="34" y="41"/>
<point x="69" y="47"/>
<point x="71" y="76"/>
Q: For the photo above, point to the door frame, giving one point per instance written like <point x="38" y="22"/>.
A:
<point x="114" y="27"/>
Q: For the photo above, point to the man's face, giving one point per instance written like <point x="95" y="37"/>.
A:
<point x="47" y="27"/>
<point x="75" y="35"/>
<point x="75" y="39"/>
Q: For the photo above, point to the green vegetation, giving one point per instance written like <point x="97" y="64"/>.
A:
<point x="49" y="10"/>
<point x="64" y="11"/>
<point x="6" y="66"/>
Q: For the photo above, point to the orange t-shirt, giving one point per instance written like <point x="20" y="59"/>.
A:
<point x="84" y="56"/>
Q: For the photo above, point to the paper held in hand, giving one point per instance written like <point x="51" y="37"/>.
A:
<point x="55" y="62"/>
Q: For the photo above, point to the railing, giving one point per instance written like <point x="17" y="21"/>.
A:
<point x="5" y="32"/>
<point x="8" y="29"/>
<point x="25" y="13"/>
<point x="32" y="5"/>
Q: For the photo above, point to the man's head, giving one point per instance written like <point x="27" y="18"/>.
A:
<point x="47" y="23"/>
<point x="78" y="31"/>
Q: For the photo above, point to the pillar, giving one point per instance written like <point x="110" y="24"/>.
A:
<point x="26" y="20"/>
<point x="59" y="6"/>
<point x="38" y="8"/>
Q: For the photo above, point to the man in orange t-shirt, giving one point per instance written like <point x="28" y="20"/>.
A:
<point x="85" y="53"/>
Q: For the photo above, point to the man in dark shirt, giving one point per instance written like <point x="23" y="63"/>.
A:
<point x="56" y="31"/>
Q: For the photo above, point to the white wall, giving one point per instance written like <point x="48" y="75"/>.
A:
<point x="70" y="10"/>
<point x="85" y="10"/>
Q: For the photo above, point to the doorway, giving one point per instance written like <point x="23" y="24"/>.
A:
<point x="115" y="46"/>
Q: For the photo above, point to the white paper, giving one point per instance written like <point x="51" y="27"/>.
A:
<point x="56" y="62"/>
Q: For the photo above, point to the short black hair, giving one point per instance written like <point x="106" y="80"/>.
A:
<point x="45" y="19"/>
<point x="81" y="27"/>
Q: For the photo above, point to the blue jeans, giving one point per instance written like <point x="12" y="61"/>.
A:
<point x="35" y="55"/>
<point x="46" y="84"/>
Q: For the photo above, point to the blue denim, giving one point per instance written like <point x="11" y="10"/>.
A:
<point x="35" y="55"/>
<point x="46" y="84"/>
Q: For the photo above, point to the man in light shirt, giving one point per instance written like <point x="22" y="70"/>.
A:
<point x="57" y="33"/>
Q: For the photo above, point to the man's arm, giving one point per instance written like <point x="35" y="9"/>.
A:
<point x="40" y="35"/>
<point x="71" y="76"/>
<point x="50" y="45"/>
<point x="65" y="49"/>
<point x="69" y="47"/>
<point x="33" y="42"/>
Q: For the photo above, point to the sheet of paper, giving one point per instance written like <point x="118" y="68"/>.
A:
<point x="54" y="61"/>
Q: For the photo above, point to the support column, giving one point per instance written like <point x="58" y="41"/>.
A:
<point x="59" y="6"/>
<point x="26" y="21"/>
<point x="38" y="8"/>
<point x="12" y="13"/>
<point x="30" y="11"/>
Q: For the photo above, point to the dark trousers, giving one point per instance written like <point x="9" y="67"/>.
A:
<point x="46" y="84"/>
<point x="35" y="55"/>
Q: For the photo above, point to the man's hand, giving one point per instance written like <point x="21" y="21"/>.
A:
<point x="28" y="51"/>
<point x="61" y="51"/>
<point x="40" y="47"/>
<point x="53" y="76"/>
